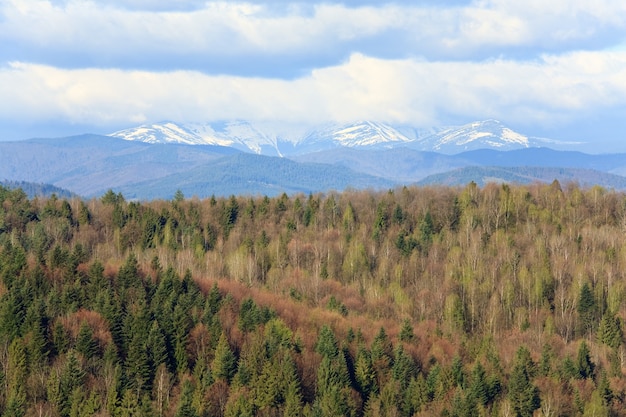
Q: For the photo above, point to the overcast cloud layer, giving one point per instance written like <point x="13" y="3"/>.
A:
<point x="544" y="67"/>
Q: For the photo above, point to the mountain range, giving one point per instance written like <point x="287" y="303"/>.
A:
<point x="154" y="161"/>
<point x="284" y="140"/>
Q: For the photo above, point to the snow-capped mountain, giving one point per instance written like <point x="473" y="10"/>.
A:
<point x="262" y="139"/>
<point x="166" y="132"/>
<point x="490" y="134"/>
<point x="360" y="134"/>
<point x="282" y="140"/>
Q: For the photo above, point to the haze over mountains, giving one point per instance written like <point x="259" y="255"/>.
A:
<point x="154" y="161"/>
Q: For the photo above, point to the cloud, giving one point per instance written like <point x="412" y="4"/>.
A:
<point x="115" y="63"/>
<point x="555" y="89"/>
<point x="241" y="37"/>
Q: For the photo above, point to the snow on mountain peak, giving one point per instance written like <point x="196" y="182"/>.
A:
<point x="364" y="133"/>
<point x="281" y="139"/>
<point x="167" y="132"/>
<point x="485" y="134"/>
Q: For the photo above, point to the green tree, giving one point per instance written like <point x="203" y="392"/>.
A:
<point x="364" y="373"/>
<point x="381" y="222"/>
<point x="16" y="377"/>
<point x="586" y="309"/>
<point x="596" y="407"/>
<point x="610" y="331"/>
<point x="478" y="388"/>
<point x="545" y="363"/>
<point x="415" y="396"/>
<point x="524" y="396"/>
<point x="277" y="386"/>
<point x="185" y="405"/>
<point x="230" y="213"/>
<point x="327" y="345"/>
<point x="605" y="391"/>
<point x="334" y="402"/>
<point x="224" y="362"/>
<point x="404" y="367"/>
<point x="584" y="365"/>
<point x="85" y="342"/>
<point x="456" y="371"/>
<point x="382" y="356"/>
<point x="406" y="332"/>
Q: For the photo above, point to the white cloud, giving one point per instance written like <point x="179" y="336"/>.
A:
<point x="106" y="30"/>
<point x="117" y="63"/>
<point x="557" y="87"/>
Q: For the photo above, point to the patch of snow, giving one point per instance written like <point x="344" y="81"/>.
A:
<point x="511" y="136"/>
<point x="281" y="139"/>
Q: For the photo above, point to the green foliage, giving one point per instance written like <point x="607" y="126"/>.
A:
<point x="127" y="308"/>
<point x="584" y="366"/>
<point x="230" y="213"/>
<point x="586" y="309"/>
<point x="381" y="222"/>
<point x="185" y="407"/>
<point x="85" y="342"/>
<point x="404" y="367"/>
<point x="250" y="315"/>
<point x="610" y="331"/>
<point x="224" y="363"/>
<point x="364" y="373"/>
<point x="337" y="306"/>
<point x="406" y="332"/>
<point x="524" y="396"/>
<point x="327" y="345"/>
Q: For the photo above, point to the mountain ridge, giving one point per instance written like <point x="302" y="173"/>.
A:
<point x="482" y="175"/>
<point x="89" y="165"/>
<point x="268" y="139"/>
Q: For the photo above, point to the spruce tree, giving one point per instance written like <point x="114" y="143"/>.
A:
<point x="224" y="363"/>
<point x="524" y="396"/>
<point x="17" y="374"/>
<point x="586" y="309"/>
<point x="404" y="367"/>
<point x="406" y="332"/>
<point x="584" y="365"/>
<point x="364" y="373"/>
<point x="85" y="342"/>
<point x="327" y="345"/>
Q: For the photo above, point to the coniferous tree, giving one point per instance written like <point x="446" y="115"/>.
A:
<point x="584" y="365"/>
<point x="406" y="332"/>
<point x="586" y="309"/>
<point x="16" y="377"/>
<point x="130" y="405"/>
<point x="415" y="396"/>
<point x="478" y="388"/>
<point x="545" y="363"/>
<point x="224" y="363"/>
<point x="456" y="371"/>
<point x="404" y="367"/>
<point x="364" y="373"/>
<point x="610" y="331"/>
<point x="524" y="396"/>
<point x="85" y="342"/>
<point x="327" y="345"/>
<point x="382" y="356"/>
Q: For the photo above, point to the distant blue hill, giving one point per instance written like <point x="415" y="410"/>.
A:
<point x="249" y="174"/>
<point x="545" y="157"/>
<point x="33" y="190"/>
<point x="89" y="165"/>
<point x="526" y="175"/>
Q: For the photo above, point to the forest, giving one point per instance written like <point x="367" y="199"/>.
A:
<point x="502" y="300"/>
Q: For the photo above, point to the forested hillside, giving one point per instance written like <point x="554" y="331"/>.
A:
<point x="466" y="301"/>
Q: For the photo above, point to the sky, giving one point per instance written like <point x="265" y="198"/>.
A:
<point x="544" y="68"/>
